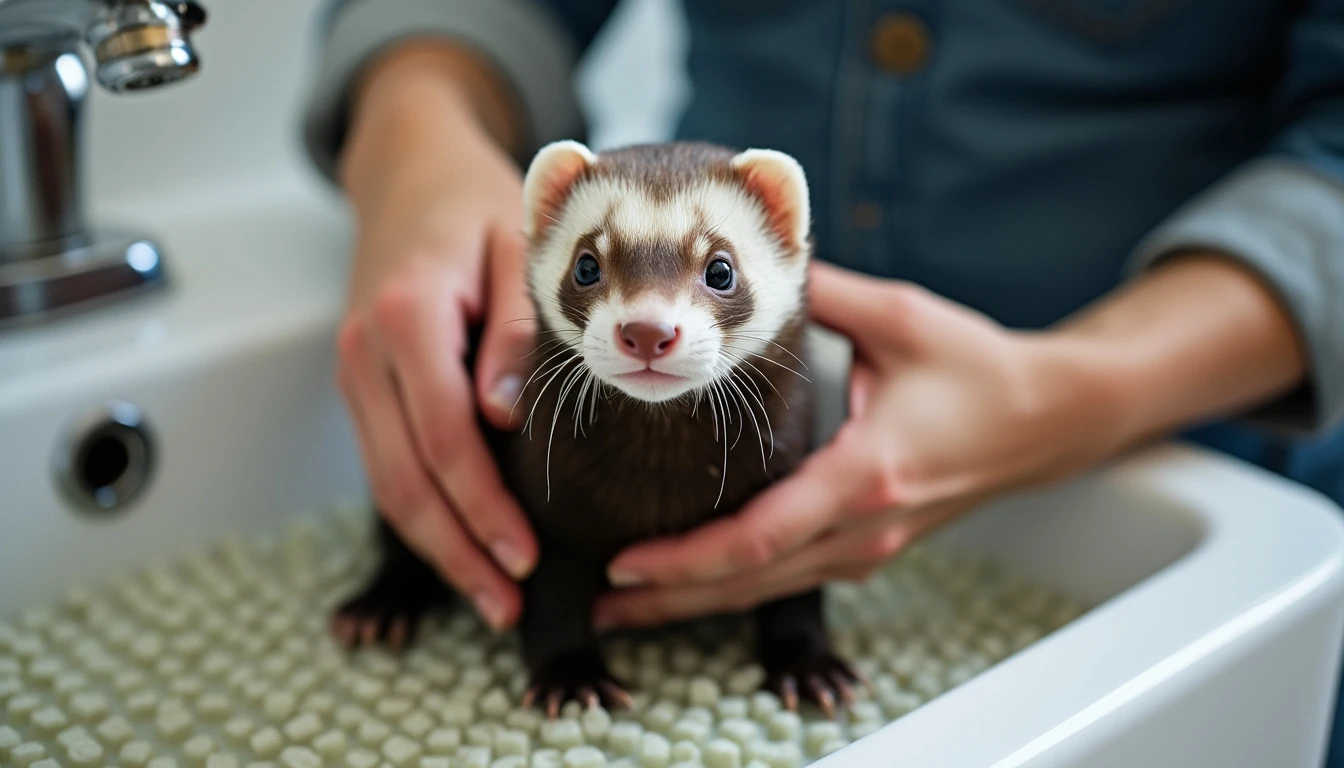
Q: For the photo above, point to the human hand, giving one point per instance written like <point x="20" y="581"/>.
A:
<point x="946" y="408"/>
<point x="439" y="248"/>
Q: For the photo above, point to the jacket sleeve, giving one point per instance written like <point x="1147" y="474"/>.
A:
<point x="533" y="44"/>
<point x="1281" y="214"/>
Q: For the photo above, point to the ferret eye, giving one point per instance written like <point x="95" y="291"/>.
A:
<point x="719" y="275"/>
<point x="586" y="271"/>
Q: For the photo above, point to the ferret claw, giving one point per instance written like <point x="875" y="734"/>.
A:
<point x="396" y="634"/>
<point x="553" y="702"/>
<point x="343" y="629"/>
<point x="616" y="693"/>
<point x="818" y="676"/>
<point x="388" y="611"/>
<point x="867" y="684"/>
<point x="788" y="691"/>
<point x="821" y="692"/>
<point x="842" y="687"/>
<point x="581" y="676"/>
<point x="368" y="631"/>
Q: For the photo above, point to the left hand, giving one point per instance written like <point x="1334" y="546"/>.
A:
<point x="946" y="408"/>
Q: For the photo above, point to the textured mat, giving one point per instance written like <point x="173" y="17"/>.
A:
<point x="222" y="659"/>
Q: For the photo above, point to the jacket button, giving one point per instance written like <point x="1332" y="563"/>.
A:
<point x="900" y="43"/>
<point x="867" y="215"/>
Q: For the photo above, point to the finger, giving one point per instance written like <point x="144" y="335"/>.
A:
<point x="777" y="522"/>
<point x="510" y="330"/>
<point x="447" y="436"/>
<point x="856" y="305"/>
<point x="410" y="502"/>
<point x="655" y="606"/>
<point x="859" y="548"/>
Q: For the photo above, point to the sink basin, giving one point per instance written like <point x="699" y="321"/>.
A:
<point x="230" y="369"/>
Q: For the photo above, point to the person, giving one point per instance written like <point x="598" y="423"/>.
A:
<point x="1052" y="230"/>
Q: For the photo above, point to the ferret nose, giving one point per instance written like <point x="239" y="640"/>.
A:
<point x="647" y="341"/>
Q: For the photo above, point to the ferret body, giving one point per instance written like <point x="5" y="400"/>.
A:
<point x="666" y="391"/>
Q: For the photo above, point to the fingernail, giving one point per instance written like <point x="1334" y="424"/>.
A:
<point x="507" y="389"/>
<point x="622" y="577"/>
<point x="490" y="610"/>
<point x="510" y="559"/>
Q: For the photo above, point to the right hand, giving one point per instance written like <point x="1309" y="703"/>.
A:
<point x="439" y="247"/>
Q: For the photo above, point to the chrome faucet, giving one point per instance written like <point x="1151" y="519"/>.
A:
<point x="50" y="261"/>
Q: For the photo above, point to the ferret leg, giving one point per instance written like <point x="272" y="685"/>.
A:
<point x="797" y="656"/>
<point x="390" y="607"/>
<point x="559" y="644"/>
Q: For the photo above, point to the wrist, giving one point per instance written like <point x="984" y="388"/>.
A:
<point x="414" y="109"/>
<point x="446" y="78"/>
<point x="1091" y="397"/>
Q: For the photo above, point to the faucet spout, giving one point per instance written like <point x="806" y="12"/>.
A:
<point x="140" y="44"/>
<point x="136" y="44"/>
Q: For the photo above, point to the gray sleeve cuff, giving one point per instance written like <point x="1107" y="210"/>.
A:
<point x="528" y="47"/>
<point x="1286" y="222"/>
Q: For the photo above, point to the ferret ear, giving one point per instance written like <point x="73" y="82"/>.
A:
<point x="549" y="179"/>
<point x="778" y="181"/>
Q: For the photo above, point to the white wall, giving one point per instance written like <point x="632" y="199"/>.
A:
<point x="240" y="115"/>
<point x="632" y="85"/>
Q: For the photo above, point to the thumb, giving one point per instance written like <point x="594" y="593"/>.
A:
<point x="858" y="306"/>
<point x="510" y="329"/>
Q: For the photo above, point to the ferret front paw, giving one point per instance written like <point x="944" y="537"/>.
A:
<point x="388" y="611"/>
<point x="578" y="675"/>
<point x="818" y="676"/>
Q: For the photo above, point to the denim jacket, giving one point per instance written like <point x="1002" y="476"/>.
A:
<point x="1022" y="157"/>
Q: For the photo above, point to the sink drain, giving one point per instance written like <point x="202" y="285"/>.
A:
<point x="107" y="460"/>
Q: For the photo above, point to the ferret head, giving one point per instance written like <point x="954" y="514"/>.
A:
<point x="666" y="266"/>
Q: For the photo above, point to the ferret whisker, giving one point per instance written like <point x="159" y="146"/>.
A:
<point x="555" y="418"/>
<point x="599" y="393"/>
<point x="558" y="369"/>
<point x="733" y="381"/>
<point x="764" y="378"/>
<point x="580" y="401"/>
<point x="546" y="347"/>
<point x="740" y="420"/>
<point x="723" y="474"/>
<point x="769" y="360"/>
<point x="765" y="414"/>
<point x="713" y="412"/>
<point x="749" y="335"/>
<point x="538" y="372"/>
<point x="752" y="380"/>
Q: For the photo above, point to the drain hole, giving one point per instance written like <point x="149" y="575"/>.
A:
<point x="105" y="462"/>
<point x="108" y="460"/>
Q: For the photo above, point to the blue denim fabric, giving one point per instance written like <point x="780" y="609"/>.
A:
<point x="1016" y="170"/>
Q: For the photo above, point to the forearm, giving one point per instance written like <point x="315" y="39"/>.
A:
<point x="451" y="76"/>
<point x="419" y="97"/>
<point x="1195" y="338"/>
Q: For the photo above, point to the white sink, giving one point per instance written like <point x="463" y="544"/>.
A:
<point x="231" y="368"/>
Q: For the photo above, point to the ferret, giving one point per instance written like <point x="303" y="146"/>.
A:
<point x="666" y="391"/>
